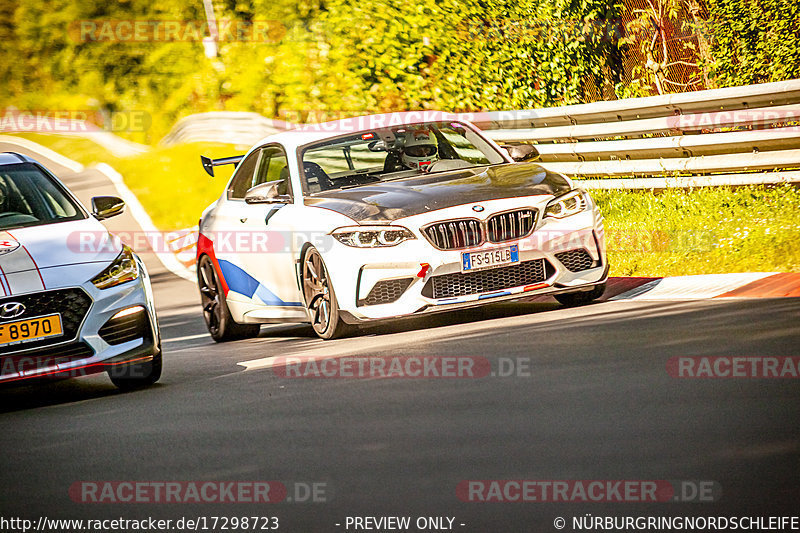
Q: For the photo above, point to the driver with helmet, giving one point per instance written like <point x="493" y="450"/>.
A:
<point x="420" y="150"/>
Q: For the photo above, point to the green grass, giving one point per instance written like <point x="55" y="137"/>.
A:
<point x="169" y="182"/>
<point x="676" y="232"/>
<point x="79" y="149"/>
<point x="702" y="231"/>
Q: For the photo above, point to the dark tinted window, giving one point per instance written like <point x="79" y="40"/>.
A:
<point x="272" y="166"/>
<point x="243" y="177"/>
<point x="29" y="197"/>
<point x="394" y="152"/>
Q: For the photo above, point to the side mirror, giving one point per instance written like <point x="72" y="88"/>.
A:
<point x="104" y="207"/>
<point x="267" y="193"/>
<point x="522" y="152"/>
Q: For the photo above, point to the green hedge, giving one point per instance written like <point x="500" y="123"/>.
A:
<point x="360" y="57"/>
<point x="754" y="41"/>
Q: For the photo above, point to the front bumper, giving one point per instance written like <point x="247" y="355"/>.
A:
<point x="559" y="256"/>
<point x="100" y="343"/>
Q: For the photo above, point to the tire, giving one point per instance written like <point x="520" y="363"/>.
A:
<point x="320" y="298"/>
<point x="137" y="376"/>
<point x="573" y="299"/>
<point x="219" y="322"/>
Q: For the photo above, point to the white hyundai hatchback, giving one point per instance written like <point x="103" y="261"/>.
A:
<point x="73" y="299"/>
<point x="385" y="216"/>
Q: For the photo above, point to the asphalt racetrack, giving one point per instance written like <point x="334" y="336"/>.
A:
<point x="577" y="394"/>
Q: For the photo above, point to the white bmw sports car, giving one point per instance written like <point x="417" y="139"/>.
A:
<point x="386" y="216"/>
<point x="73" y="299"/>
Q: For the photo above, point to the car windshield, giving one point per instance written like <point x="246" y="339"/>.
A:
<point x="392" y="153"/>
<point x="29" y="197"/>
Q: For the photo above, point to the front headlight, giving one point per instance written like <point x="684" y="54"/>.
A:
<point x="372" y="236"/>
<point x="572" y="203"/>
<point x="123" y="269"/>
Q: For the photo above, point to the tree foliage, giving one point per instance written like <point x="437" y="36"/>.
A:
<point x="347" y="56"/>
<point x="754" y="41"/>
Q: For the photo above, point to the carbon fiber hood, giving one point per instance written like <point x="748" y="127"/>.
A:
<point x="385" y="202"/>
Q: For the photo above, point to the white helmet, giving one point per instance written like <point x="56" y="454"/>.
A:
<point x="420" y="149"/>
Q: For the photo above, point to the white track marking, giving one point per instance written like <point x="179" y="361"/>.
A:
<point x="188" y="337"/>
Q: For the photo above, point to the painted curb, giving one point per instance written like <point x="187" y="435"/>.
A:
<point x="705" y="286"/>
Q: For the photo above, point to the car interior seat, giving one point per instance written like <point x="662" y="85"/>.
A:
<point x="316" y="178"/>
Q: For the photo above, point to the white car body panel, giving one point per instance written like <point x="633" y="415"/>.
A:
<point x="264" y="285"/>
<point x="39" y="259"/>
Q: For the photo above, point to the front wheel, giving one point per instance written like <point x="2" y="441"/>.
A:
<point x="219" y="322"/>
<point x="320" y="298"/>
<point x="573" y="299"/>
<point x="137" y="376"/>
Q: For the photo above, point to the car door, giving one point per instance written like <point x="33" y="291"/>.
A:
<point x="257" y="259"/>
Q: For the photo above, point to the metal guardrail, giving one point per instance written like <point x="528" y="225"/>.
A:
<point x="223" y="126"/>
<point x="727" y="99"/>
<point x="675" y="146"/>
<point x="684" y="165"/>
<point x="695" y="134"/>
<point x="693" y="123"/>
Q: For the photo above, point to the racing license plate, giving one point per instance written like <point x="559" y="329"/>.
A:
<point x="489" y="258"/>
<point x="31" y="329"/>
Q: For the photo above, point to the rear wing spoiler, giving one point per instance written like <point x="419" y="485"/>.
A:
<point x="209" y="164"/>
